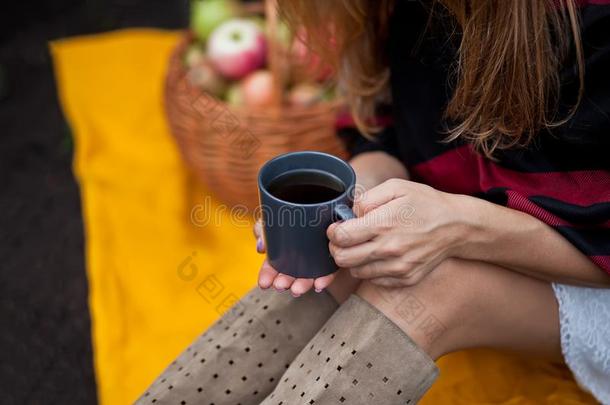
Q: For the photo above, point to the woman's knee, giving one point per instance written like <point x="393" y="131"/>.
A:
<point x="434" y="311"/>
<point x="463" y="304"/>
<point x="451" y="286"/>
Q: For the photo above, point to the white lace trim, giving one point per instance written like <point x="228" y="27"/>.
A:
<point x="584" y="314"/>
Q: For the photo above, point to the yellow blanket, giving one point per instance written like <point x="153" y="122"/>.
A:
<point x="156" y="277"/>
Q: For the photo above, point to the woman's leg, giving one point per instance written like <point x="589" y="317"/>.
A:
<point x="362" y="356"/>
<point x="464" y="304"/>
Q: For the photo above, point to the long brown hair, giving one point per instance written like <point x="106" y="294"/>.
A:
<point x="507" y="70"/>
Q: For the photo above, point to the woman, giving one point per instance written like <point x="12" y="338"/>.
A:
<point x="486" y="220"/>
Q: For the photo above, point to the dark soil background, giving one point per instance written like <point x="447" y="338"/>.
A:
<point x="45" y="338"/>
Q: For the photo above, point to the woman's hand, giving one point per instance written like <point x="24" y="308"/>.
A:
<point x="269" y="277"/>
<point x="403" y="231"/>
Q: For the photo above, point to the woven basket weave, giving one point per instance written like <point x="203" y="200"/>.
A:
<point x="225" y="145"/>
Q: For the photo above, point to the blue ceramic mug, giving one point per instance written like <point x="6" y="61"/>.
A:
<point x="301" y="194"/>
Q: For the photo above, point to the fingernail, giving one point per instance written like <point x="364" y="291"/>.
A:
<point x="279" y="289"/>
<point x="318" y="290"/>
<point x="296" y="295"/>
<point x="259" y="245"/>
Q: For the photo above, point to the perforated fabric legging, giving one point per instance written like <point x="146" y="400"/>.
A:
<point x="359" y="357"/>
<point x="240" y="359"/>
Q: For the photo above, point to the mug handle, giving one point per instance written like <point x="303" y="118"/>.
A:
<point x="343" y="212"/>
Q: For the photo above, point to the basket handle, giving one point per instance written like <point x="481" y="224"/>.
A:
<point x="274" y="61"/>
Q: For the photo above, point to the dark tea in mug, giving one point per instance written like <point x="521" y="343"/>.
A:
<point x="306" y="186"/>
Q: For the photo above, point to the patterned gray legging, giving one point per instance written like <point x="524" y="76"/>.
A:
<point x="271" y="348"/>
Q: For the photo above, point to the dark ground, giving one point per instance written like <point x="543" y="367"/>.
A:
<point x="45" y="339"/>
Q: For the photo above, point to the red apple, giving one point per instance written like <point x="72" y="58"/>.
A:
<point x="237" y="47"/>
<point x="257" y="89"/>
<point x="309" y="63"/>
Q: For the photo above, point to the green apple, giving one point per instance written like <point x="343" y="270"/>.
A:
<point x="193" y="55"/>
<point x="284" y="34"/>
<point x="208" y="14"/>
<point x="234" y="95"/>
<point x="305" y="94"/>
<point x="329" y="94"/>
<point x="259" y="21"/>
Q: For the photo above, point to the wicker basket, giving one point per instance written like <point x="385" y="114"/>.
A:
<point x="225" y="145"/>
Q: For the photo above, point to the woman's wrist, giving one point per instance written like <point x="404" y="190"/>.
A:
<point x="518" y="241"/>
<point x="487" y="229"/>
<point x="474" y="232"/>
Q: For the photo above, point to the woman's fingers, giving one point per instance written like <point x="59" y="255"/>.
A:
<point x="283" y="282"/>
<point x="390" y="273"/>
<point x="258" y="234"/>
<point x="375" y="269"/>
<point x="260" y="245"/>
<point x="379" y="195"/>
<point x="373" y="224"/>
<point x="257" y="229"/>
<point x="266" y="275"/>
<point x="388" y="282"/>
<point x="321" y="283"/>
<point x="351" y="232"/>
<point x="300" y="286"/>
<point x="358" y="255"/>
